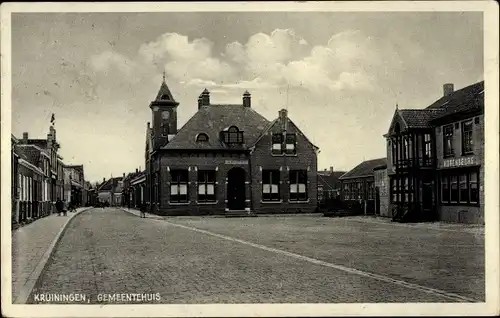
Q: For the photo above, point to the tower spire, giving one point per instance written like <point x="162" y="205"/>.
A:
<point x="164" y="76"/>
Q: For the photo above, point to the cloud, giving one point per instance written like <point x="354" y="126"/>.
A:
<point x="264" y="61"/>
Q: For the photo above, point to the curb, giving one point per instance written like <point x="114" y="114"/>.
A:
<point x="150" y="216"/>
<point x="27" y="289"/>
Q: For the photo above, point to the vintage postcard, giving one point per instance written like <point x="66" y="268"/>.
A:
<point x="250" y="159"/>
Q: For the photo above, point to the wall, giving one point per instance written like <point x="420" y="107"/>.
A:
<point x="464" y="213"/>
<point x="306" y="159"/>
<point x="382" y="183"/>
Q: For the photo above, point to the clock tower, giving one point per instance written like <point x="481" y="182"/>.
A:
<point x="164" y="111"/>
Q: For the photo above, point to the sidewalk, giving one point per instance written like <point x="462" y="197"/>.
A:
<point x="32" y="246"/>
<point x="138" y="213"/>
<point x="439" y="226"/>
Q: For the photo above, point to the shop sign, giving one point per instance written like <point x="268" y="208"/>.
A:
<point x="459" y="162"/>
<point x="236" y="162"/>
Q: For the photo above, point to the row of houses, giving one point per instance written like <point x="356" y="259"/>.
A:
<point x="39" y="177"/>
<point x="228" y="159"/>
<point x="434" y="168"/>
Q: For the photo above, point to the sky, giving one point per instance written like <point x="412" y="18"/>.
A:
<point x="339" y="74"/>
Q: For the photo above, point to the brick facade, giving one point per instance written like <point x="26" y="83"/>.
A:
<point x="236" y="167"/>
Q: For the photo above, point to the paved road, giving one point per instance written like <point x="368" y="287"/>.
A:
<point x="110" y="251"/>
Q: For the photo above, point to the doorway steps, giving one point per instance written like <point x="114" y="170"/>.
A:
<point x="239" y="213"/>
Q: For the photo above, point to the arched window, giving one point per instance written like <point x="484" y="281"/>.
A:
<point x="165" y="97"/>
<point x="202" y="137"/>
<point x="233" y="129"/>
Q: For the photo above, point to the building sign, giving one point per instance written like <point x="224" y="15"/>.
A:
<point x="459" y="162"/>
<point x="236" y="162"/>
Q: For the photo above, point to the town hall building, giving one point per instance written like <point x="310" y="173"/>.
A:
<point x="227" y="159"/>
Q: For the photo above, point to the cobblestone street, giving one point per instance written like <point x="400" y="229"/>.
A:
<point x="109" y="251"/>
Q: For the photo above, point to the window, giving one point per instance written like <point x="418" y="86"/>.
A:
<point x="445" y="189"/>
<point x="298" y="185"/>
<point x="427" y="149"/>
<point x="464" y="190"/>
<point x="270" y="185"/>
<point x="460" y="187"/>
<point x="394" y="190"/>
<point x="202" y="137"/>
<point x="164" y="130"/>
<point x="346" y="192"/>
<point x="473" y="192"/>
<point x="179" y="186"/>
<point x="233" y="136"/>
<point x="320" y="193"/>
<point x="371" y="191"/>
<point x="467" y="146"/>
<point x="359" y="191"/>
<point x="448" y="140"/>
<point x="206" y="186"/>
<point x="407" y="188"/>
<point x="394" y="152"/>
<point x="291" y="143"/>
<point x="165" y="97"/>
<point x="277" y="140"/>
<point x="454" y="189"/>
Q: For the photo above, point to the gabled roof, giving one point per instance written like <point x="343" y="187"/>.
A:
<point x="330" y="179"/>
<point x="458" y="96"/>
<point x="213" y="119"/>
<point x="419" y="118"/>
<point x="42" y="143"/>
<point x="109" y="184"/>
<point x="364" y="169"/>
<point x="164" y="93"/>
<point x="289" y="122"/>
<point x="29" y="153"/>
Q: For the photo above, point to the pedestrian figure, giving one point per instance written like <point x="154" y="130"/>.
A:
<point x="59" y="206"/>
<point x="143" y="210"/>
<point x="65" y="208"/>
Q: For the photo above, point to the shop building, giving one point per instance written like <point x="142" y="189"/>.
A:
<point x="436" y="166"/>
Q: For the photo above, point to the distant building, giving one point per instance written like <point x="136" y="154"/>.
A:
<point x="134" y="189"/>
<point x="110" y="191"/>
<point x="33" y="183"/>
<point x="227" y="159"/>
<point x="358" y="186"/>
<point x="74" y="185"/>
<point x="329" y="186"/>
<point x="436" y="158"/>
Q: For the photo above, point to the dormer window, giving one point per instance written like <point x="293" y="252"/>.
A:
<point x="277" y="144"/>
<point x="202" y="137"/>
<point x="290" y="144"/>
<point x="165" y="97"/>
<point x="233" y="135"/>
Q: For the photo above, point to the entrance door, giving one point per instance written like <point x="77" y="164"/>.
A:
<point x="377" y="201"/>
<point x="427" y="195"/>
<point x="236" y="189"/>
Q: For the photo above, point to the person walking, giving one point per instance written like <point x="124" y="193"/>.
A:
<point x="143" y="210"/>
<point x="65" y="208"/>
<point x="59" y="206"/>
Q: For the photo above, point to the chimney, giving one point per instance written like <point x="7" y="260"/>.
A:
<point x="53" y="132"/>
<point x="247" y="99"/>
<point x="136" y="170"/>
<point x="200" y="103"/>
<point x="124" y="175"/>
<point x="49" y="141"/>
<point x="149" y="125"/>
<point x="283" y="114"/>
<point x="447" y="89"/>
<point x="331" y="169"/>
<point x="205" y="98"/>
<point x="103" y="179"/>
<point x="25" y="137"/>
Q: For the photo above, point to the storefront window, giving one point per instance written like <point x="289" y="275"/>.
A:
<point x="474" y="193"/>
<point x="464" y="191"/>
<point x="454" y="189"/>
